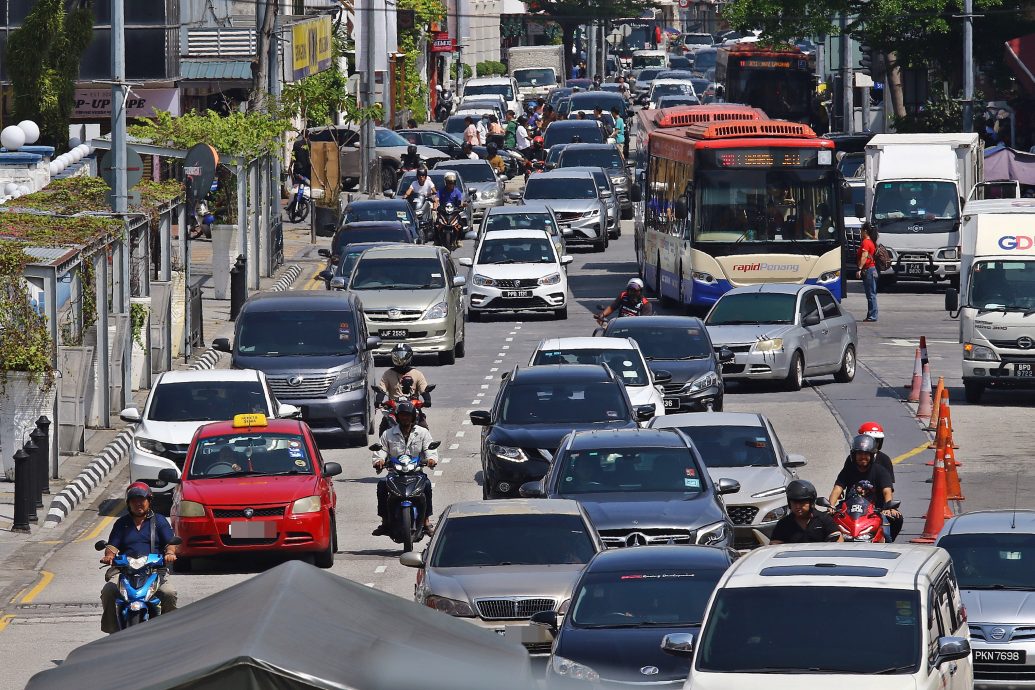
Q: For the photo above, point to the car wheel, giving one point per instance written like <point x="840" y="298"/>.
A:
<point x="461" y="347"/>
<point x="447" y="356"/>
<point x="486" y="495"/>
<point x="717" y="404"/>
<point x="561" y="314"/>
<point x="473" y="316"/>
<point x="183" y="564"/>
<point x="973" y="391"/>
<point x="796" y="373"/>
<point x="325" y="558"/>
<point x="388" y="177"/>
<point x="847" y="371"/>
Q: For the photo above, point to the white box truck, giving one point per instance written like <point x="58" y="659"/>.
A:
<point x="996" y="302"/>
<point x="536" y="69"/>
<point x="915" y="187"/>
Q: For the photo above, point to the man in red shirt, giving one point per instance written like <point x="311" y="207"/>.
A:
<point x="868" y="269"/>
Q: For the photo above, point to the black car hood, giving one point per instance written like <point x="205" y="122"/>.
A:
<point x="683" y="370"/>
<point x="645" y="510"/>
<point x="547" y="436"/>
<point x="620" y="653"/>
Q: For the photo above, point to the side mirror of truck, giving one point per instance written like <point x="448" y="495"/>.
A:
<point x="952" y="299"/>
<point x="859" y="211"/>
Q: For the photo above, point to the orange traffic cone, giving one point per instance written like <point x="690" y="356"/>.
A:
<point x="937" y="410"/>
<point x="938" y="509"/>
<point x="914" y="391"/>
<point x="953" y="489"/>
<point x="947" y="412"/>
<point x="926" y="404"/>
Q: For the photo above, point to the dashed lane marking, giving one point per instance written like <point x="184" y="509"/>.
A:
<point x="489" y="378"/>
<point x="454" y="446"/>
<point x="445" y="460"/>
<point x="460" y="434"/>
<point x="493" y="369"/>
<point x="380" y="569"/>
<point x="438" y="473"/>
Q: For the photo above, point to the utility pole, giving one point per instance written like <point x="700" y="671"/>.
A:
<point x="847" y="86"/>
<point x="968" y="67"/>
<point x="367" y="137"/>
<point x="603" y="50"/>
<point x="120" y="191"/>
<point x="591" y="48"/>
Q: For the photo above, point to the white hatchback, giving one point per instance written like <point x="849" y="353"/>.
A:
<point x="517" y="270"/>
<point x="182" y="401"/>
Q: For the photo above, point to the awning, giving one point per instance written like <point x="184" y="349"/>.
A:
<point x="216" y="70"/>
<point x="1020" y="55"/>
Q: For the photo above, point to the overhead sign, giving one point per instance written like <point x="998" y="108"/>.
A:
<point x="199" y="169"/>
<point x="442" y="43"/>
<point x="311" y="47"/>
<point x="94" y="103"/>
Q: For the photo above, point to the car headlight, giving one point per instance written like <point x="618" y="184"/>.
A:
<point x="701" y="383"/>
<point x="830" y="276"/>
<point x="351" y="379"/>
<point x="769" y="493"/>
<point x="573" y="670"/>
<point x="703" y="277"/>
<point x="552" y="279"/>
<point x="149" y="445"/>
<point x="489" y="194"/>
<point x="438" y="311"/>
<point x="949" y="254"/>
<point x="483" y="281"/>
<point x="776" y="514"/>
<point x="453" y="607"/>
<point x="191" y="509"/>
<point x="769" y="345"/>
<point x="712" y="534"/>
<point x="979" y="353"/>
<point x="618" y="181"/>
<point x="590" y="214"/>
<point x="508" y="452"/>
<point x="309" y="504"/>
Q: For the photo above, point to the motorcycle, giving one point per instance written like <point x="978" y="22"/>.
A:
<point x="532" y="166"/>
<point x="858" y="518"/>
<point x="139" y="580"/>
<point x="388" y="408"/>
<point x="301" y="200"/>
<point x="407" y="485"/>
<point x="422" y="209"/>
<point x="444" y="107"/>
<point x="447" y="225"/>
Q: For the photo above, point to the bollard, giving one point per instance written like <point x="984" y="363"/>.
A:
<point x="238" y="286"/>
<point x="43" y="425"/>
<point x="22" y="491"/>
<point x="31" y="449"/>
<point x="40" y="460"/>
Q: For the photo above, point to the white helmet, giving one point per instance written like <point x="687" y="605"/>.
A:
<point x="635" y="283"/>
<point x="450" y="177"/>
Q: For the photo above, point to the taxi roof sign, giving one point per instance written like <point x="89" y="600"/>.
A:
<point x="251" y="419"/>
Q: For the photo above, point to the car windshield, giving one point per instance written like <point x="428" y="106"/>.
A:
<point x="358" y="213"/>
<point x="752" y="308"/>
<point x="604" y="158"/>
<point x="915" y="201"/>
<point x="705" y="59"/>
<point x="852" y="165"/>
<point x="598" y="99"/>
<point x="540" y="187"/>
<point x="736" y="639"/>
<point x="501" y="540"/>
<point x="284" y="333"/>
<point x="698" y="39"/>
<point x="203" y="401"/>
<point x="249" y="453"/>
<point x="589" y="134"/>
<point x="732" y="446"/>
<point x="618" y="470"/>
<point x="537" y="76"/>
<point x="398" y="273"/>
<point x="1008" y="285"/>
<point x="372" y="235"/>
<point x="481" y="172"/>
<point x="665" y="342"/>
<point x="564" y="403"/>
<point x="514" y="220"/>
<point x="681" y="89"/>
<point x="455" y="125"/>
<point x="671" y="101"/>
<point x="783" y="95"/>
<point x="855" y="196"/>
<point x="501" y="89"/>
<point x="386" y="137"/>
<point x="516" y="250"/>
<point x="624" y="362"/>
<point x="648" y="61"/>
<point x="1000" y="561"/>
<point x="648" y="75"/>
<point x="665" y="598"/>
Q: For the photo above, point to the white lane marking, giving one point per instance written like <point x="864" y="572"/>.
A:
<point x="485" y="385"/>
<point x="467" y="422"/>
<point x="506" y="347"/>
<point x="476" y="402"/>
<point x="489" y="378"/>
<point x="509" y="340"/>
<point x="518" y="327"/>
<point x="498" y="361"/>
<point x="380" y="569"/>
<point x="501" y="354"/>
<point x="445" y="460"/>
<point x="454" y="446"/>
<point x="460" y="434"/>
<point x="493" y="369"/>
<point x="432" y="485"/>
<point x="438" y="473"/>
<point x="368" y="584"/>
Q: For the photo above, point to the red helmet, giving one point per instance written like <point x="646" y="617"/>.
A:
<point x="139" y="490"/>
<point x="872" y="429"/>
<point x="537" y="140"/>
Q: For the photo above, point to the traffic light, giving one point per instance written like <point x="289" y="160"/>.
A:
<point x="865" y="58"/>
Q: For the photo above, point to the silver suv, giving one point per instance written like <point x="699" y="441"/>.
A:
<point x="575" y="200"/>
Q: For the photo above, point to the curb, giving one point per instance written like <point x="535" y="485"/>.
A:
<point x="291" y="274"/>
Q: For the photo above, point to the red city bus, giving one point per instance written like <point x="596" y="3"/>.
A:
<point x="780" y="81"/>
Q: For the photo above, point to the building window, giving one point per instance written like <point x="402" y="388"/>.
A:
<point x="151" y="12"/>
<point x="145" y="54"/>
<point x="96" y="60"/>
<point x="3" y="53"/>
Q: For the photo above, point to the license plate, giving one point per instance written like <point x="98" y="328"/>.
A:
<point x="671" y="403"/>
<point x="392" y="333"/>
<point x="1000" y="656"/>
<point x="253" y="530"/>
<point x="915" y="269"/>
<point x="517" y="293"/>
<point x="1023" y="371"/>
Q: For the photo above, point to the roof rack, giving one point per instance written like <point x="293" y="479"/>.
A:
<point x="765" y="128"/>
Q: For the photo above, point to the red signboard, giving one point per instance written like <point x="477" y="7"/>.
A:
<point x="442" y="43"/>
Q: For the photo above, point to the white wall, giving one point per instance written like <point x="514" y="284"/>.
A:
<point x="480" y="23"/>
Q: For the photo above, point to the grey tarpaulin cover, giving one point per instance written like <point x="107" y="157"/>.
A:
<point x="294" y="627"/>
<point x="1002" y="163"/>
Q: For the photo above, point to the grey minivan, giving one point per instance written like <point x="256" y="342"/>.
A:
<point x="314" y="349"/>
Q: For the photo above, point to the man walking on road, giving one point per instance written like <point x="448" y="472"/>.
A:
<point x="868" y="269"/>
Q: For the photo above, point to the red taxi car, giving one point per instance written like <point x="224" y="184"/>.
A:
<point x="253" y="484"/>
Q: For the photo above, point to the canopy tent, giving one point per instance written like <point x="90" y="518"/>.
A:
<point x="1002" y="163"/>
<point x="295" y="627"/>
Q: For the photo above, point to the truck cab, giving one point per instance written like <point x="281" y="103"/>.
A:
<point x="996" y="301"/>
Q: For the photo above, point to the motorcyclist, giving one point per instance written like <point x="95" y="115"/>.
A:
<point x="881" y="459"/>
<point x="140" y="532"/>
<point x="492" y="154"/>
<point x="804" y="524"/>
<point x="422" y="185"/>
<point x="535" y="152"/>
<point x="390" y="385"/>
<point x="630" y="302"/>
<point x="863" y="468"/>
<point x="410" y="160"/>
<point x="405" y="439"/>
<point x="451" y="194"/>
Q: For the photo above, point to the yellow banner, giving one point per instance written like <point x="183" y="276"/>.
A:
<point x="310" y="47"/>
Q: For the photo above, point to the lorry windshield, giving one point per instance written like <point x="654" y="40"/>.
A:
<point x="482" y="89"/>
<point x="1002" y="285"/>
<point x="538" y="76"/>
<point x="930" y="200"/>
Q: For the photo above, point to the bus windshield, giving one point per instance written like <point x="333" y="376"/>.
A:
<point x="782" y="95"/>
<point x="764" y="205"/>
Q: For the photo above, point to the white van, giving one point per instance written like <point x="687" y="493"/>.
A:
<point x="492" y="86"/>
<point x="845" y="616"/>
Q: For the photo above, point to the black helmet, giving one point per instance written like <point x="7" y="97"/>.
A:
<point x="402" y="355"/>
<point x="801" y="490"/>
<point x="406" y="407"/>
<point x="422" y="171"/>
<point x="412" y="149"/>
<point x="863" y="443"/>
<point x="491" y="150"/>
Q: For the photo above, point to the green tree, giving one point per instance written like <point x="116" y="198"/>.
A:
<point x="43" y="61"/>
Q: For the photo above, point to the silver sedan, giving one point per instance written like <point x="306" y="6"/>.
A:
<point x="780" y="331"/>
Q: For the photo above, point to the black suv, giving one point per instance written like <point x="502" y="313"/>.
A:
<point x="640" y="487"/>
<point x="535" y="408"/>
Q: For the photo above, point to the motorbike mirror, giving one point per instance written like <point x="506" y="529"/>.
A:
<point x="331" y="469"/>
<point x="412" y="559"/>
<point x="430" y="388"/>
<point x="175" y="541"/>
<point x="100" y="546"/>
<point x="374" y="447"/>
<point x="434" y="444"/>
<point x="169" y="475"/>
<point x="326" y="253"/>
<point x="893" y="505"/>
<point x="822" y="502"/>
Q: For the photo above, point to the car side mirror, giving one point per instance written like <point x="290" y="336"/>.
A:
<point x="952" y="299"/>
<point x="661" y="376"/>
<point x="338" y="283"/>
<point x="325" y="275"/>
<point x="466" y="261"/>
<point x="532" y="490"/>
<point x="566" y="259"/>
<point x="680" y="209"/>
<point x="567" y="232"/>
<point x="285" y="411"/>
<point x="130" y="414"/>
<point x="325" y="253"/>
<point x="412" y="559"/>
<point x="459" y="281"/>
<point x="481" y="417"/>
<point x="795" y="460"/>
<point x="645" y="413"/>
<point x="811" y="319"/>
<point x="331" y="469"/>
<point x="860" y="211"/>
<point x="373" y="342"/>
<point x="728" y="486"/>
<point x="221" y="344"/>
<point x="678" y="644"/>
<point x="472" y="235"/>
<point x="726" y="355"/>
<point x="169" y="475"/>
<point x="547" y="619"/>
<point x="951" y="649"/>
<point x="389" y="194"/>
<point x="514" y="196"/>
<point x="355" y="144"/>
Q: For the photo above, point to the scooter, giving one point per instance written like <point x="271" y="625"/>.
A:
<point x="444" y="107"/>
<point x="301" y="200"/>
<point x="858" y="518"/>
<point x="139" y="580"/>
<point x="388" y="408"/>
<point x="407" y="485"/>
<point x="447" y="225"/>
<point x="422" y="209"/>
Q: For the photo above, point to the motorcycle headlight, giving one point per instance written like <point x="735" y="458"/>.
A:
<point x="191" y="509"/>
<point x="508" y="452"/>
<point x="149" y="445"/>
<point x="712" y="534"/>
<point x="483" y="281"/>
<point x="769" y="345"/>
<point x="438" y="311"/>
<point x="776" y="514"/>
<point x="573" y="670"/>
<point x="701" y="383"/>
<point x="552" y="279"/>
<point x="351" y="379"/>
<point x="461" y="609"/>
<point x="769" y="493"/>
<point x="979" y="353"/>
<point x="309" y="504"/>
